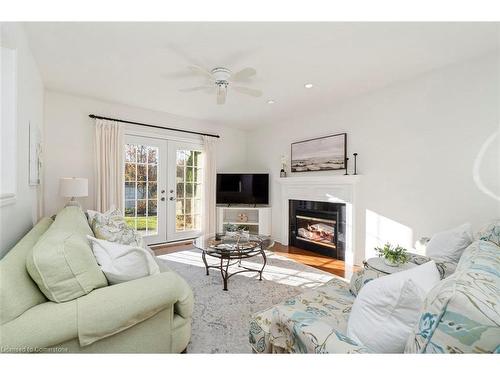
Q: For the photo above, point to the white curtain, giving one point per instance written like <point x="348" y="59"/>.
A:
<point x="209" y="185"/>
<point x="109" y="169"/>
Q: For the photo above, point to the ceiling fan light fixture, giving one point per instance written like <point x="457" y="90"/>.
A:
<point x="221" y="74"/>
<point x="220" y="79"/>
<point x="221" y="94"/>
<point x="308" y="85"/>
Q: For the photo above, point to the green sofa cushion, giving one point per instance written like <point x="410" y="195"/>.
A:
<point x="62" y="263"/>
<point x="124" y="305"/>
<point x="44" y="325"/>
<point x="18" y="292"/>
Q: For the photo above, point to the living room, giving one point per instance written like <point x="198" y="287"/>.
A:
<point x="250" y="187"/>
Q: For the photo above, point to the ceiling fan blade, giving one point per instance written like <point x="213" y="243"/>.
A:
<point x="198" y="70"/>
<point x="244" y="74"/>
<point x="235" y="57"/>
<point x="175" y="75"/>
<point x="197" y="88"/>
<point x="247" y="91"/>
<point x="221" y="94"/>
<point x="180" y="52"/>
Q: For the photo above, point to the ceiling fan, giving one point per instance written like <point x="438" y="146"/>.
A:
<point x="218" y="80"/>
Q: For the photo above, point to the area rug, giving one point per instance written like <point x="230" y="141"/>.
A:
<point x="221" y="318"/>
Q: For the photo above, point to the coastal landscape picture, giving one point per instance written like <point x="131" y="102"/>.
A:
<point x="319" y="154"/>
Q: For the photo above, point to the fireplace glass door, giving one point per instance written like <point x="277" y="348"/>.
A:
<point x="316" y="230"/>
<point x="318" y="226"/>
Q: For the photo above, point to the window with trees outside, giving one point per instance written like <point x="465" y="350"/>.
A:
<point x="189" y="190"/>
<point x="141" y="188"/>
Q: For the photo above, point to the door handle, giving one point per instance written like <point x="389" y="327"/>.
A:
<point x="172" y="198"/>
<point x="163" y="191"/>
<point x="162" y="199"/>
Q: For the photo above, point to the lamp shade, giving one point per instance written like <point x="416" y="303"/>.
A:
<point x="73" y="187"/>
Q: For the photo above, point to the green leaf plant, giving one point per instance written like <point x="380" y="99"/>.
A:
<point x="394" y="254"/>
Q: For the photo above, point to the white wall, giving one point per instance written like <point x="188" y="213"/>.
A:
<point x="18" y="218"/>
<point x="417" y="141"/>
<point x="69" y="146"/>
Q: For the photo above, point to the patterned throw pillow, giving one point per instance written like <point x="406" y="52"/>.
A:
<point x="111" y="226"/>
<point x="490" y="232"/>
<point x="92" y="214"/>
<point x="462" y="313"/>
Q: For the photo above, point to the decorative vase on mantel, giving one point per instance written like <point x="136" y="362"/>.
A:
<point x="283" y="166"/>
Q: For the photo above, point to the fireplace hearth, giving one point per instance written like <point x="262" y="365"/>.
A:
<point x="318" y="227"/>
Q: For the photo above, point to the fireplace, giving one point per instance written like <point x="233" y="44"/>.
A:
<point x="318" y="226"/>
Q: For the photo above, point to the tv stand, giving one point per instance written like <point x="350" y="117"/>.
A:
<point x="258" y="219"/>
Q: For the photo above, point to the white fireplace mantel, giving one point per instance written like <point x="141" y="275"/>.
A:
<point x="336" y="179"/>
<point x="335" y="189"/>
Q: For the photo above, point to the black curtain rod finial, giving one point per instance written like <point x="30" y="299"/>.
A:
<point x="153" y="126"/>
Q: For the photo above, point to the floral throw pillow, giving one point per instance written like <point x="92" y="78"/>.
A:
<point x="490" y="232"/>
<point x="111" y="226"/>
<point x="111" y="212"/>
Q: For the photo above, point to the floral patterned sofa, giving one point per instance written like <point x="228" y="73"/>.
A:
<point x="461" y="314"/>
<point x="313" y="322"/>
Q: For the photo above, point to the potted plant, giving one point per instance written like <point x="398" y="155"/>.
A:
<point x="244" y="231"/>
<point x="231" y="230"/>
<point x="393" y="255"/>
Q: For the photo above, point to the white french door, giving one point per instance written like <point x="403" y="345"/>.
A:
<point x="145" y="186"/>
<point x="185" y="193"/>
<point x="162" y="190"/>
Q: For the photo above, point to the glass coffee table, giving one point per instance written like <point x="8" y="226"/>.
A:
<point x="230" y="250"/>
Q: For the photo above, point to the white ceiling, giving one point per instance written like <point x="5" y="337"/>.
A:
<point x="135" y="63"/>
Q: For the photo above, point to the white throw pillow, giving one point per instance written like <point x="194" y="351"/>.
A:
<point x="122" y="263"/>
<point x="386" y="309"/>
<point x="450" y="244"/>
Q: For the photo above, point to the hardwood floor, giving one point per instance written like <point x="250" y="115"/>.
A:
<point x="172" y="248"/>
<point x="324" y="263"/>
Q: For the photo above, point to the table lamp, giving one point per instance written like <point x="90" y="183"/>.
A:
<point x="73" y="187"/>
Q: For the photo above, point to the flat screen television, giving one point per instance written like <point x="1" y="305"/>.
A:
<point x="242" y="188"/>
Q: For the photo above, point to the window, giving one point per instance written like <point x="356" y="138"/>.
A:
<point x="141" y="188"/>
<point x="189" y="189"/>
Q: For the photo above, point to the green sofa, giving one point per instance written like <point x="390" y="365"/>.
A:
<point x="148" y="315"/>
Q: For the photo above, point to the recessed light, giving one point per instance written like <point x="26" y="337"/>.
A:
<point x="270" y="101"/>
<point x="308" y="85"/>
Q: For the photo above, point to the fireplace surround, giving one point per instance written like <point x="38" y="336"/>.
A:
<point x="320" y="188"/>
<point x="318" y="226"/>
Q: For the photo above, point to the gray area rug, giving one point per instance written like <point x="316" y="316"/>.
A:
<point x="221" y="318"/>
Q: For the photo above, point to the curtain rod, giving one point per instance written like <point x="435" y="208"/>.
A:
<point x="153" y="126"/>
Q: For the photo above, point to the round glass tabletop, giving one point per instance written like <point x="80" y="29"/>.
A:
<point x="233" y="244"/>
<point x="378" y="264"/>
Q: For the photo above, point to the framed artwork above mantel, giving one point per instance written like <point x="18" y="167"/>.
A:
<point x="320" y="154"/>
